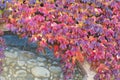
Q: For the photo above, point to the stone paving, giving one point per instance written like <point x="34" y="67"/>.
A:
<point x="25" y="65"/>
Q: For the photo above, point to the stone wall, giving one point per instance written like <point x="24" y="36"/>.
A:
<point x="25" y="65"/>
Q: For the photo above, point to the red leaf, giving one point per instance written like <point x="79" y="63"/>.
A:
<point x="56" y="48"/>
<point x="102" y="68"/>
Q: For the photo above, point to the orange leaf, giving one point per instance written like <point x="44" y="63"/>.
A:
<point x="73" y="60"/>
<point x="79" y="57"/>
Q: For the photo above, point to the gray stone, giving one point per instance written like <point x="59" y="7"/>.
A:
<point x="21" y="73"/>
<point x="28" y="54"/>
<point x="31" y="63"/>
<point x="45" y="79"/>
<point x="55" y="63"/>
<point x="41" y="59"/>
<point x="55" y="69"/>
<point x="2" y="78"/>
<point x="40" y="72"/>
<point x="25" y="65"/>
<point x="21" y="63"/>
<point x="29" y="77"/>
<point x="37" y="79"/>
<point x="5" y="69"/>
<point x="17" y="67"/>
<point x="40" y="64"/>
<point x="20" y="78"/>
<point x="11" y="54"/>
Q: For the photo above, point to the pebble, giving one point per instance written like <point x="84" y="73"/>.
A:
<point x="55" y="69"/>
<point x="37" y="79"/>
<point x="11" y="54"/>
<point x="40" y="72"/>
<point x="21" y="73"/>
<point x="2" y="78"/>
<point x="41" y="59"/>
<point x="21" y="63"/>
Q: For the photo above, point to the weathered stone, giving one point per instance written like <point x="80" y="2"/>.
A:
<point x="11" y="71"/>
<point x="41" y="59"/>
<point x="40" y="72"/>
<point x="45" y="79"/>
<point x="20" y="78"/>
<point x="2" y="78"/>
<point x="12" y="64"/>
<point x="5" y="69"/>
<point x="28" y="54"/>
<point x="29" y="77"/>
<point x="21" y="73"/>
<point x="21" y="63"/>
<point x="23" y="67"/>
<point x="11" y="54"/>
<point x="17" y="67"/>
<point x="37" y="79"/>
<point x="40" y="64"/>
<point x="55" y="63"/>
<point x="49" y="64"/>
<point x="28" y="69"/>
<point x="31" y="63"/>
<point x="55" y="69"/>
<point x="28" y="66"/>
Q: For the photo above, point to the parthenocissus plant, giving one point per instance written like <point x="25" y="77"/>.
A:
<point x="2" y="48"/>
<point x="77" y="30"/>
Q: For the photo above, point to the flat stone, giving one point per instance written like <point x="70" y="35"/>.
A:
<point x="25" y="65"/>
<point x="31" y="63"/>
<point x="11" y="54"/>
<point x="40" y="64"/>
<point x="17" y="67"/>
<point x="55" y="63"/>
<point x="20" y="78"/>
<point x="41" y="59"/>
<point x="45" y="79"/>
<point x="21" y="63"/>
<point x="29" y="77"/>
<point x="2" y="78"/>
<point x="37" y="79"/>
<point x="9" y="61"/>
<point x="5" y="69"/>
<point x="21" y="73"/>
<point x="28" y="54"/>
<point x="55" y="69"/>
<point x="40" y="72"/>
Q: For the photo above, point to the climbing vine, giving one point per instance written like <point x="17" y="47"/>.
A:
<point x="77" y="30"/>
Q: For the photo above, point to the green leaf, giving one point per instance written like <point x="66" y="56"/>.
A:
<point x="1" y="11"/>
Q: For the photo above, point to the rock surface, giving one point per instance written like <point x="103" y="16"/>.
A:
<point x="26" y="65"/>
<point x="40" y="72"/>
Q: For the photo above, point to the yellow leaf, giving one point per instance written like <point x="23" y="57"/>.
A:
<point x="80" y="24"/>
<point x="37" y="1"/>
<point x="51" y="1"/>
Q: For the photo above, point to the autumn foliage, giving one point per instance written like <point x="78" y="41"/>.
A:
<point x="77" y="30"/>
